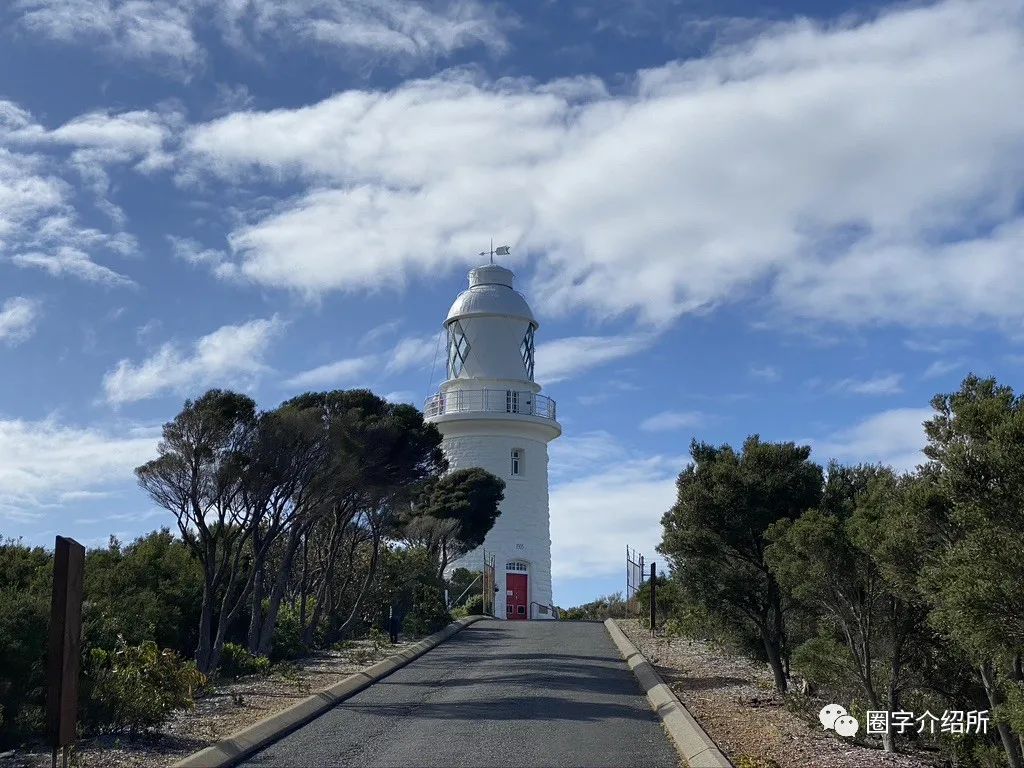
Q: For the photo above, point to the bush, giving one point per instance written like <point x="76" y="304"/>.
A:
<point x="428" y="613"/>
<point x="236" y="661"/>
<point x="287" y="640"/>
<point x="25" y="575"/>
<point x="150" y="589"/>
<point x="607" y="607"/>
<point x="475" y="605"/>
<point x="472" y="607"/>
<point x="136" y="687"/>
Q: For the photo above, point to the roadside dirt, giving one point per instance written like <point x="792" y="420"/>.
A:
<point x="735" y="701"/>
<point x="226" y="708"/>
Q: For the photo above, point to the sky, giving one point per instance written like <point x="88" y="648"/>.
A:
<point x="800" y="220"/>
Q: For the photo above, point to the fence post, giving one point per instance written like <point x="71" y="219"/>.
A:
<point x="654" y="600"/>
<point x="65" y="645"/>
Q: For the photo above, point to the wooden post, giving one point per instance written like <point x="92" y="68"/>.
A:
<point x="654" y="601"/>
<point x="65" y="644"/>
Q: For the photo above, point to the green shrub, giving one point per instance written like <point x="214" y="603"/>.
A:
<point x="150" y="589"/>
<point x="135" y="687"/>
<point x="428" y="613"/>
<point x="607" y="607"/>
<point x="25" y="575"/>
<point x="379" y="639"/>
<point x="287" y="641"/>
<point x="236" y="661"/>
<point x="475" y="605"/>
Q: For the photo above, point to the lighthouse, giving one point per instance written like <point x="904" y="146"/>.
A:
<point x="492" y="415"/>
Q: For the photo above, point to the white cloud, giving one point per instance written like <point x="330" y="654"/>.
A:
<point x="18" y="317"/>
<point x="884" y="384"/>
<point x="26" y="192"/>
<point x="156" y="30"/>
<point x="407" y="354"/>
<point x="167" y="34"/>
<point x="230" y="355"/>
<point x="561" y="359"/>
<point x="121" y="136"/>
<point x="402" y="396"/>
<point x="811" y="159"/>
<point x="39" y="222"/>
<point x="767" y="373"/>
<point x="939" y="368"/>
<point x="616" y="496"/>
<point x="388" y="29"/>
<point x="413" y="353"/>
<point x="667" y="421"/>
<point x="194" y="253"/>
<point x="340" y="372"/>
<point x="575" y="454"/>
<point x="45" y="462"/>
<point x="894" y="437"/>
<point x="71" y="262"/>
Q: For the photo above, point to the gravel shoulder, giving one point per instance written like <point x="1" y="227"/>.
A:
<point x="734" y="699"/>
<point x="226" y="708"/>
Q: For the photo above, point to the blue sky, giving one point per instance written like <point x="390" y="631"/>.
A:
<point x="797" y="219"/>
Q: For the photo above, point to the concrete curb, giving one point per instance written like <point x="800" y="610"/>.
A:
<point x="244" y="743"/>
<point x="691" y="741"/>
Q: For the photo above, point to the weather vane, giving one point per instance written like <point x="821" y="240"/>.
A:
<point x="501" y="250"/>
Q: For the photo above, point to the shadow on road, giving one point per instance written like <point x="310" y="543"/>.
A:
<point x="509" y="708"/>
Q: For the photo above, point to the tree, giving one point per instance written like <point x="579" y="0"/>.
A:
<point x="975" y="579"/>
<point x="290" y="479"/>
<point x="454" y="513"/>
<point x="835" y="559"/>
<point x="198" y="477"/>
<point x="714" y="536"/>
<point x="381" y="453"/>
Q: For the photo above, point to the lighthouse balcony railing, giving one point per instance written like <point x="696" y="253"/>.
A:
<point x="489" y="401"/>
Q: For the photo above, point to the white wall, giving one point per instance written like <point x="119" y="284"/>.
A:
<point x="523" y="530"/>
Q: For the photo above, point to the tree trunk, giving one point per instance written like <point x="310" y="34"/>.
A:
<point x="771" y="648"/>
<point x="277" y="593"/>
<point x="205" y="631"/>
<point x="256" y="615"/>
<point x="1010" y="745"/>
<point x="370" y="573"/>
<point x="773" y="633"/>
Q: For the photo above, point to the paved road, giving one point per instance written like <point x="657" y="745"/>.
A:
<point x="497" y="694"/>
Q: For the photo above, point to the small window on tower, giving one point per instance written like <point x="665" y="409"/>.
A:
<point x="458" y="350"/>
<point x="526" y="350"/>
<point x="517" y="455"/>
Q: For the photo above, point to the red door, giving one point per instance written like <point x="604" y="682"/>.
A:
<point x="515" y="596"/>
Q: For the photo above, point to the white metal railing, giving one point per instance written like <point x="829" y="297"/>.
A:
<point x="489" y="401"/>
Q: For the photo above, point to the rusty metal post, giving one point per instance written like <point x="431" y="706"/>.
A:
<point x="65" y="644"/>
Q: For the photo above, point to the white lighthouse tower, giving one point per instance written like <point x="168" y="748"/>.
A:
<point x="492" y="415"/>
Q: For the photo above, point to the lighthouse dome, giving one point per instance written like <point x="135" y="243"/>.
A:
<point x="491" y="293"/>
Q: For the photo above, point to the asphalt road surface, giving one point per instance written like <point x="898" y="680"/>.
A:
<point x="524" y="694"/>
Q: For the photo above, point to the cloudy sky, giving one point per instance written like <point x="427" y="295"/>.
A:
<point x="729" y="217"/>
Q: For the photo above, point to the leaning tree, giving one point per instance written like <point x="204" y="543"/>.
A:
<point x="714" y="535"/>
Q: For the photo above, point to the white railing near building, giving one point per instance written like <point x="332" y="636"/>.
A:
<point x="489" y="401"/>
